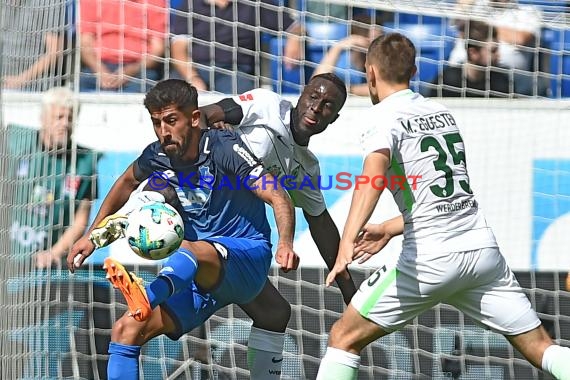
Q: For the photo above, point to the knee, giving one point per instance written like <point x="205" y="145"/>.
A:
<point x="341" y="338"/>
<point x="335" y="336"/>
<point x="126" y="331"/>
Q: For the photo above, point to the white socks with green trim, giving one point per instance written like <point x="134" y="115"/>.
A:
<point x="265" y="354"/>
<point x="338" y="365"/>
<point x="556" y="361"/>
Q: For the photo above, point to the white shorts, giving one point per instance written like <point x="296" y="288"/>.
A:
<point x="479" y="283"/>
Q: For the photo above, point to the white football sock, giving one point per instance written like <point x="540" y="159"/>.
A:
<point x="338" y="365"/>
<point x="556" y="361"/>
<point x="265" y="354"/>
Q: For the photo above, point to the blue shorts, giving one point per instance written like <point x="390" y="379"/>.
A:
<point x="245" y="265"/>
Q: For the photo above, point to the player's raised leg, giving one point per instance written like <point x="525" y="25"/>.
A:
<point x="176" y="277"/>
<point x="193" y="260"/>
<point x="148" y="319"/>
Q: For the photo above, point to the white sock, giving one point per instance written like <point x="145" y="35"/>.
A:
<point x="265" y="354"/>
<point x="139" y="198"/>
<point x="556" y="361"/>
<point x="338" y="364"/>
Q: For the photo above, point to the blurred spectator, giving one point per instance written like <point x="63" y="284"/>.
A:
<point x="122" y="42"/>
<point x="53" y="183"/>
<point x="216" y="43"/>
<point x="478" y="77"/>
<point x="323" y="11"/>
<point x="33" y="39"/>
<point x="362" y="32"/>
<point x="518" y="28"/>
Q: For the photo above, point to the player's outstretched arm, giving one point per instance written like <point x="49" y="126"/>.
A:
<point x="116" y="197"/>
<point x="283" y="210"/>
<point x="364" y="201"/>
<point x="221" y="115"/>
<point x="326" y="237"/>
<point x="212" y="116"/>
<point x="374" y="237"/>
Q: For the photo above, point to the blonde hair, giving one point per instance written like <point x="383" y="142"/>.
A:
<point x="58" y="96"/>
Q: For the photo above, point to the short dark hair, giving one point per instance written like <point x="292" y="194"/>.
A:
<point x="339" y="83"/>
<point x="395" y="57"/>
<point x="171" y="92"/>
<point x="478" y="32"/>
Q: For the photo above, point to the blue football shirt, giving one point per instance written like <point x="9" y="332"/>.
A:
<point x="215" y="190"/>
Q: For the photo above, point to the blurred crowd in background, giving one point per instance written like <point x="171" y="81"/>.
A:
<point x="481" y="48"/>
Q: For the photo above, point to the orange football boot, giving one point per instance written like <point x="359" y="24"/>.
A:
<point x="132" y="288"/>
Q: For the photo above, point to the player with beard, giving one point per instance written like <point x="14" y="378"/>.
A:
<point x="226" y="254"/>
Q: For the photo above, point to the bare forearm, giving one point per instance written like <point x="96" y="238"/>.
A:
<point x="181" y="58"/>
<point x="155" y="53"/>
<point x="293" y="49"/>
<point x="41" y="66"/>
<point x="211" y="114"/>
<point x="395" y="226"/>
<point x="363" y="202"/>
<point x="284" y="218"/>
<point x="53" y="45"/>
<point x="325" y="235"/>
<point x="73" y="232"/>
<point x="365" y="198"/>
<point x="117" y="196"/>
<point x="185" y="69"/>
<point x="283" y="209"/>
<point x="360" y="89"/>
<point x="70" y="236"/>
<point x="89" y="59"/>
<point x="329" y="61"/>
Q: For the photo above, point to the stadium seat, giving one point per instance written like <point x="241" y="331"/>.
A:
<point x="411" y="18"/>
<point x="433" y="43"/>
<point x="558" y="43"/>
<point x="321" y="36"/>
<point x="326" y="31"/>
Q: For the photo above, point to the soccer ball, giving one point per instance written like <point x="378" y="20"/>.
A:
<point x="155" y="230"/>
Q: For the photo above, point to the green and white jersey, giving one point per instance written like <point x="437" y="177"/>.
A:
<point x="45" y="189"/>
<point x="266" y="129"/>
<point x="428" y="174"/>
